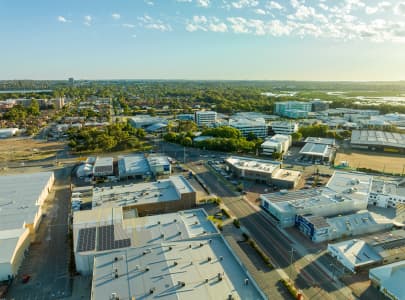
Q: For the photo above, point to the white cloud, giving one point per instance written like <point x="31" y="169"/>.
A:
<point x="370" y="10"/>
<point x="155" y="24"/>
<point x="88" y="20"/>
<point x="399" y="9"/>
<point x="203" y="3"/>
<point x="274" y="5"/>
<point x="245" y="3"/>
<point x="116" y="16"/>
<point x="260" y="11"/>
<point x="149" y="2"/>
<point x="127" y="25"/>
<point x="206" y="24"/>
<point x="62" y="19"/>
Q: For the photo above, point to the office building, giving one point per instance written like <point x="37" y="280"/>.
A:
<point x="319" y="105"/>
<point x="21" y="199"/>
<point x="345" y="193"/>
<point x="278" y="143"/>
<point x="247" y="127"/>
<point x="262" y="171"/>
<point x="133" y="167"/>
<point x="293" y="109"/>
<point x="284" y="127"/>
<point x="205" y="118"/>
<point x="159" y="165"/>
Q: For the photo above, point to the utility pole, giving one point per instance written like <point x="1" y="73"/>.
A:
<point x="184" y="154"/>
<point x="291" y="262"/>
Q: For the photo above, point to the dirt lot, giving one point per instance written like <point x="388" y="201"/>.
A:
<point x="375" y="161"/>
<point x="16" y="149"/>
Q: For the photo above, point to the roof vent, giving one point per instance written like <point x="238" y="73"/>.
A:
<point x="219" y="276"/>
<point x="209" y="259"/>
<point x="152" y="290"/>
<point x="246" y="281"/>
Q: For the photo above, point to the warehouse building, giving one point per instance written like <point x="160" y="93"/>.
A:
<point x="133" y="166"/>
<point x="278" y="143"/>
<point x="389" y="280"/>
<point x="354" y="254"/>
<point x="387" y="193"/>
<point x="376" y="249"/>
<point x="262" y="171"/>
<point x="91" y="228"/>
<point x="318" y="149"/>
<point x="320" y="229"/>
<point x="378" y="141"/>
<point x="163" y="196"/>
<point x="103" y="167"/>
<point x="143" y="121"/>
<point x="159" y="165"/>
<point x="202" y="268"/>
<point x="20" y="216"/>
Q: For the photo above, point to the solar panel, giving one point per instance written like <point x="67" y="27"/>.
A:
<point x="106" y="239"/>
<point x="87" y="239"/>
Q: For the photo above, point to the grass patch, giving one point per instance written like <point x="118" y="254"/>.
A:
<point x="291" y="288"/>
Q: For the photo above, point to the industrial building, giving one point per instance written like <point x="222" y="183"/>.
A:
<point x="387" y="193"/>
<point x="143" y="121"/>
<point x="284" y="127"/>
<point x="103" y="167"/>
<point x="133" y="166"/>
<point x="354" y="254"/>
<point x="344" y="193"/>
<point x="286" y="206"/>
<point x="320" y="229"/>
<point x="376" y="249"/>
<point x="318" y="149"/>
<point x="21" y="199"/>
<point x="205" y="118"/>
<point x="378" y="141"/>
<point x="258" y="127"/>
<point x="129" y="230"/>
<point x="159" y="165"/>
<point x="202" y="268"/>
<point x="262" y="171"/>
<point x="389" y="280"/>
<point x="278" y="143"/>
<point x="293" y="109"/>
<point x="167" y="195"/>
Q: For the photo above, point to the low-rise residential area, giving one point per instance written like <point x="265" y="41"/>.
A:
<point x="111" y="197"/>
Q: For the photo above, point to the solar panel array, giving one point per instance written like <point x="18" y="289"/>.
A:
<point x="87" y="239"/>
<point x="106" y="239"/>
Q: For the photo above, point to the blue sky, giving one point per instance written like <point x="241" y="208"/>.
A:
<point x="203" y="39"/>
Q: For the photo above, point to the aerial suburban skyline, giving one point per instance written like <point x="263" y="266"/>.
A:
<point x="203" y="39"/>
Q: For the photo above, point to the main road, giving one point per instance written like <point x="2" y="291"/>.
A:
<point x="313" y="274"/>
